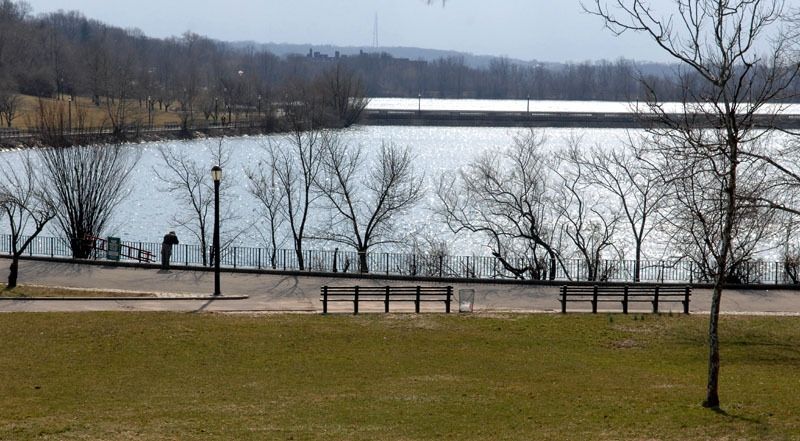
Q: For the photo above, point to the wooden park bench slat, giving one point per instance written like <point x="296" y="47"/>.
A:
<point x="386" y="294"/>
<point x="626" y="294"/>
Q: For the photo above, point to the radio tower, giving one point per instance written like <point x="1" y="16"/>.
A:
<point x="375" y="42"/>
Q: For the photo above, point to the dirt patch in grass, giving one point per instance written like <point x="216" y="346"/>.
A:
<point x="627" y="343"/>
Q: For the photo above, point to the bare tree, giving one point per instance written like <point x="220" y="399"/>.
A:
<point x="638" y="190"/>
<point x="587" y="219"/>
<point x="188" y="180"/>
<point x="734" y="62"/>
<point x="366" y="204"/>
<point x="26" y="208"/>
<point x="694" y="214"/>
<point x="9" y="106"/>
<point x="296" y="169"/>
<point x="343" y="94"/>
<point x="264" y="186"/>
<point x="85" y="185"/>
<point x="506" y="197"/>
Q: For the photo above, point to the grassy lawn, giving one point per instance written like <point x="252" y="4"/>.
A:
<point x="23" y="291"/>
<point x="147" y="376"/>
<point x="95" y="115"/>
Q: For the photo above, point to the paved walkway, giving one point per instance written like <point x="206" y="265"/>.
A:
<point x="284" y="293"/>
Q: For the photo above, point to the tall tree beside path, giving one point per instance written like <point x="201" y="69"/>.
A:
<point x="84" y="185"/>
<point x="263" y="186"/>
<point x="588" y="219"/>
<point x="25" y="207"/>
<point x="366" y="196"/>
<point x="735" y="61"/>
<point x="637" y="189"/>
<point x="507" y="198"/>
<point x="296" y="168"/>
<point x="187" y="180"/>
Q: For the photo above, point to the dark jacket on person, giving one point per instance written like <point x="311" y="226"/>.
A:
<point x="170" y="239"/>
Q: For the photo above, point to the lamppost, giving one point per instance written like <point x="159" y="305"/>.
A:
<point x="149" y="112"/>
<point x="216" y="109"/>
<point x="259" y="106"/>
<point x="216" y="176"/>
<point x="419" y="102"/>
<point x="529" y="103"/>
<point x="69" y="111"/>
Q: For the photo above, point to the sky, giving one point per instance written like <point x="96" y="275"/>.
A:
<point x="543" y="30"/>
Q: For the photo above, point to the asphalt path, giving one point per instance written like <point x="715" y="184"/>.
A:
<point x="182" y="290"/>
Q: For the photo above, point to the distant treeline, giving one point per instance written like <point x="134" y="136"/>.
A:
<point x="66" y="54"/>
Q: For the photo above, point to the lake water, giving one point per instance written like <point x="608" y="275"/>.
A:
<point x="149" y="210"/>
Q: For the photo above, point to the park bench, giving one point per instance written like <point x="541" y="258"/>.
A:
<point x="386" y="294"/>
<point x="626" y="294"/>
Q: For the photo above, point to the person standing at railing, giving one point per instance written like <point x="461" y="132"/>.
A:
<point x="170" y="239"/>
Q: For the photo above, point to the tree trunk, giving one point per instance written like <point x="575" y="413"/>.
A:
<point x="363" y="264"/>
<point x="13" y="270"/>
<point x="552" y="272"/>
<point x="81" y="248"/>
<point x="298" y="250"/>
<point x="637" y="264"/>
<point x="712" y="389"/>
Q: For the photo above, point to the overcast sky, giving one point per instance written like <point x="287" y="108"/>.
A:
<point x="545" y="30"/>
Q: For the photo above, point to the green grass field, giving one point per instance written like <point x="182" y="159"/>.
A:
<point x="23" y="291"/>
<point x="146" y="376"/>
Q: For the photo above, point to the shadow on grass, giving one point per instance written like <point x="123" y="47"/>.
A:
<point x="722" y="412"/>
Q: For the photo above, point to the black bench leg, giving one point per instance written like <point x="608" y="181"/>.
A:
<point x="625" y="301"/>
<point x="449" y="297"/>
<point x="655" y="301"/>
<point x="686" y="292"/>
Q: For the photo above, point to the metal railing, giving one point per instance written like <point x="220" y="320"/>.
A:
<point x="425" y="265"/>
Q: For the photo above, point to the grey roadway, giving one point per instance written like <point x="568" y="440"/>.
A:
<point x="187" y="290"/>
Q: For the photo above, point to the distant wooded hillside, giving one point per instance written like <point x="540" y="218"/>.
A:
<point x="66" y="54"/>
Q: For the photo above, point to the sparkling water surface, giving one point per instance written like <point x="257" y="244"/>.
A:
<point x="149" y="210"/>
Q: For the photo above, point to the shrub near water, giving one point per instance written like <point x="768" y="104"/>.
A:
<point x="114" y="376"/>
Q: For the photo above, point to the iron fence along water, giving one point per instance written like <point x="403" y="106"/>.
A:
<point x="422" y="265"/>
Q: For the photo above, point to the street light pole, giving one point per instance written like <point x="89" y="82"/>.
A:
<point x="216" y="175"/>
<point x="69" y="110"/>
